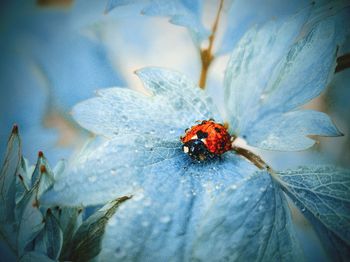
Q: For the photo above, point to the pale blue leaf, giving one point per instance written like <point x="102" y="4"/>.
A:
<point x="176" y="103"/>
<point x="30" y="221"/>
<point x="42" y="176"/>
<point x="325" y="193"/>
<point x="43" y="45"/>
<point x="35" y="256"/>
<point x="291" y="79"/>
<point x="69" y="220"/>
<point x="248" y="222"/>
<point x="169" y="191"/>
<point x="49" y="240"/>
<point x="304" y="72"/>
<point x="86" y="243"/>
<point x="22" y="179"/>
<point x="59" y="168"/>
<point x="289" y="131"/>
<point x="324" y="10"/>
<point x="160" y="220"/>
<point x="105" y="171"/>
<point x="8" y="176"/>
<point x="185" y="13"/>
<point x="189" y="102"/>
<point x="248" y="70"/>
<point x="336" y="248"/>
<point x="242" y="14"/>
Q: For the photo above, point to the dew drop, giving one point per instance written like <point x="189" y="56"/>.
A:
<point x="234" y="187"/>
<point x="246" y="199"/>
<point x="172" y="131"/>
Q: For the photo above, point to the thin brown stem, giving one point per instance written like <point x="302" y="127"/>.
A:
<point x="255" y="159"/>
<point x="343" y="62"/>
<point x="206" y="53"/>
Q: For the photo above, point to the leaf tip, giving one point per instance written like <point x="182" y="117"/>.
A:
<point x="40" y="154"/>
<point x="15" y="129"/>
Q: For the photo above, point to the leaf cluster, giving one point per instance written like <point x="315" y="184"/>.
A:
<point x="35" y="232"/>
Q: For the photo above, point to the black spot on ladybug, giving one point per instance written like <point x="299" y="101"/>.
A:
<point x="197" y="150"/>
<point x="200" y="134"/>
<point x="217" y="129"/>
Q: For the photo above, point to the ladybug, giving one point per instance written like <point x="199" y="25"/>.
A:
<point x="206" y="140"/>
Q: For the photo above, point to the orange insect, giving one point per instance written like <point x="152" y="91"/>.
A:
<point x="207" y="139"/>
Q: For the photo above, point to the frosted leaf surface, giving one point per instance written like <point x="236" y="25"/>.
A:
<point x="169" y="192"/>
<point x="241" y="15"/>
<point x="176" y="103"/>
<point x="325" y="193"/>
<point x="289" y="131"/>
<point x="126" y="164"/>
<point x="185" y="13"/>
<point x="159" y="222"/>
<point x="261" y="85"/>
<point x="248" y="222"/>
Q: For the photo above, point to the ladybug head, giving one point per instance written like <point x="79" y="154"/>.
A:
<point x="196" y="149"/>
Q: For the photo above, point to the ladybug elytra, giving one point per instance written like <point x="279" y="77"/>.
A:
<point x="206" y="140"/>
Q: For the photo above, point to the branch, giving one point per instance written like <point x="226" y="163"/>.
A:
<point x="206" y="54"/>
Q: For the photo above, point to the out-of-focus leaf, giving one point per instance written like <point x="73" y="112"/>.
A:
<point x="87" y="240"/>
<point x="59" y="168"/>
<point x="22" y="180"/>
<point x="30" y="220"/>
<point x="49" y="240"/>
<point x="43" y="44"/>
<point x="8" y="175"/>
<point x="249" y="222"/>
<point x="185" y="13"/>
<point x="286" y="84"/>
<point x="35" y="256"/>
<point x="45" y="181"/>
<point x="69" y="220"/>
<point x="324" y="192"/>
<point x="42" y="166"/>
<point x="336" y="248"/>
